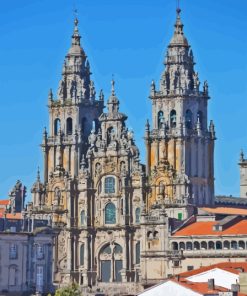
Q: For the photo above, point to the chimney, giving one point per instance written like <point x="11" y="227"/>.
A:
<point x="211" y="285"/>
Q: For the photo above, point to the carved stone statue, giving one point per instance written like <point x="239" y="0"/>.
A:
<point x="57" y="196"/>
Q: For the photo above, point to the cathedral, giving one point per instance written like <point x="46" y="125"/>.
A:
<point x="113" y="215"/>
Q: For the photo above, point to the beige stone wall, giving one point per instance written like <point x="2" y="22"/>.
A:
<point x="13" y="271"/>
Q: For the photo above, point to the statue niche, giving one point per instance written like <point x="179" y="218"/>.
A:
<point x="58" y="200"/>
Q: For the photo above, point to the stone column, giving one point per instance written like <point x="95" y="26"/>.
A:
<point x="148" y="152"/>
<point x="69" y="253"/>
<point x="45" y="164"/>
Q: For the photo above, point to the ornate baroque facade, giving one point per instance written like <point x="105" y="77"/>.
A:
<point x="112" y="214"/>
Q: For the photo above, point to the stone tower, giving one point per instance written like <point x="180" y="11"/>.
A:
<point x="180" y="145"/>
<point x="73" y="114"/>
<point x="243" y="175"/>
<point x="93" y="185"/>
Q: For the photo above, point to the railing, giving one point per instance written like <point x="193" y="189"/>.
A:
<point x="216" y="253"/>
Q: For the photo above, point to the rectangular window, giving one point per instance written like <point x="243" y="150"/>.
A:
<point x="40" y="252"/>
<point x="118" y="268"/>
<point x="106" y="271"/>
<point x="82" y="255"/>
<point x="12" y="276"/>
<point x="39" y="278"/>
<point x="13" y="251"/>
<point x="180" y="216"/>
<point x="109" y="185"/>
<point x="138" y="253"/>
<point x="176" y="263"/>
<point x="190" y="267"/>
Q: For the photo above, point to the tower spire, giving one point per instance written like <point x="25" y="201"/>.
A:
<point x="178" y="37"/>
<point x="76" y="36"/>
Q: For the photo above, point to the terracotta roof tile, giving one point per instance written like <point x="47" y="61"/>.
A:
<point x="234" y="267"/>
<point x="227" y="211"/>
<point x="4" y="202"/>
<point x="200" y="287"/>
<point x="206" y="228"/>
<point x="16" y="216"/>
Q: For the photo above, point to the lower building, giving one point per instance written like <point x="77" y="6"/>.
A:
<point x="26" y="262"/>
<point x="224" y="279"/>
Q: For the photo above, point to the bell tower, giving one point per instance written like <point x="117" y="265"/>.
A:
<point x="180" y="144"/>
<point x="72" y="114"/>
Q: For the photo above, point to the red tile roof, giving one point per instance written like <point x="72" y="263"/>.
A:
<point x="16" y="216"/>
<point x="206" y="228"/>
<point x="224" y="210"/>
<point x="233" y="267"/>
<point x="200" y="287"/>
<point x="4" y="202"/>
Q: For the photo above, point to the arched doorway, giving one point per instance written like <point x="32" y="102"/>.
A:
<point x="111" y="263"/>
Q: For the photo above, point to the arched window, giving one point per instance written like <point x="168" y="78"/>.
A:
<point x="196" y="246"/>
<point x="109" y="185"/>
<point x="189" y="246"/>
<point x="12" y="275"/>
<point x="241" y="245"/>
<point x="138" y="253"/>
<point x="111" y="266"/>
<point x="181" y="246"/>
<point x="175" y="246"/>
<point x="200" y="117"/>
<point x="110" y="214"/>
<point x="173" y="118"/>
<point x="160" y="118"/>
<point x="226" y="245"/>
<point x="204" y="245"/>
<point x="56" y="126"/>
<point x="138" y="212"/>
<point x="82" y="255"/>
<point x="83" y="220"/>
<point x="211" y="245"/>
<point x="218" y="245"/>
<point x="156" y="235"/>
<point x="188" y="119"/>
<point x="234" y="245"/>
<point x="69" y="126"/>
<point x="150" y="235"/>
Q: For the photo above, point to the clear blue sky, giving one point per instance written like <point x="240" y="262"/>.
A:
<point x="127" y="38"/>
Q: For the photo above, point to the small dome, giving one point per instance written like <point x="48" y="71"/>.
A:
<point x="179" y="39"/>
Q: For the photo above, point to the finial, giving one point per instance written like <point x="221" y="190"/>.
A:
<point x="241" y="155"/>
<point x="50" y="96"/>
<point x="38" y="175"/>
<point x="212" y="129"/>
<point x="178" y="7"/>
<point x="153" y="86"/>
<point x="147" y="125"/>
<point x="44" y="132"/>
<point x="76" y="37"/>
<point x="113" y="86"/>
<point x="205" y="88"/>
<point x="76" y="17"/>
<point x="101" y="95"/>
